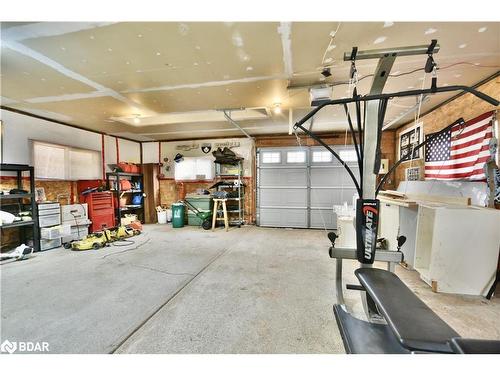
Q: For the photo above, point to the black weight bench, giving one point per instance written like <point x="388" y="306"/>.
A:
<point x="411" y="325"/>
<point x="474" y="346"/>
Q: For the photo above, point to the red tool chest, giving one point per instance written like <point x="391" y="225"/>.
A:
<point x="101" y="210"/>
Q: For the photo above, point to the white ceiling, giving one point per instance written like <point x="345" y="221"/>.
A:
<point x="103" y="75"/>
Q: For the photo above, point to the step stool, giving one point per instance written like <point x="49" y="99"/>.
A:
<point x="222" y="204"/>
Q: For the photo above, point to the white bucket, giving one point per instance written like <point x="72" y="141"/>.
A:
<point x="162" y="217"/>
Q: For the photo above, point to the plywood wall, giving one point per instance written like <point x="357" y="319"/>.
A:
<point x="466" y="106"/>
<point x="54" y="190"/>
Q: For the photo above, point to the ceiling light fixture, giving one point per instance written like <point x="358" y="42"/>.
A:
<point x="430" y="30"/>
<point x="482" y="29"/>
<point x="462" y="45"/>
<point x="277" y="108"/>
<point x="137" y="119"/>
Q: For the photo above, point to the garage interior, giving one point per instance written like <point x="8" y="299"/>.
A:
<point x="169" y="194"/>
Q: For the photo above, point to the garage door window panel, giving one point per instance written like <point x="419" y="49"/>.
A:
<point x="322" y="157"/>
<point x="273" y="157"/>
<point x="296" y="157"/>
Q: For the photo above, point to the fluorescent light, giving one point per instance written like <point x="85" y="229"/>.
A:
<point x="277" y="108"/>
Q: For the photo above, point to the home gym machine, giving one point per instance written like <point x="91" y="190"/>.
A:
<point x="397" y="320"/>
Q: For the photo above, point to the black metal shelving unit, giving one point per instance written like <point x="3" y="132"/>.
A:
<point x="6" y="201"/>
<point x="133" y="177"/>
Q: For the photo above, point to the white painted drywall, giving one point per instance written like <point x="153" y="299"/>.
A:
<point x="130" y="152"/>
<point x="19" y="130"/>
<point x="109" y="151"/>
<point x="150" y="152"/>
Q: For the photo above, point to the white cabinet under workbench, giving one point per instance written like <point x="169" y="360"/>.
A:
<point x="457" y="247"/>
<point x="399" y="218"/>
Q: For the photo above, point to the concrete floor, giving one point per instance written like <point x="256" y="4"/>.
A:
<point x="250" y="290"/>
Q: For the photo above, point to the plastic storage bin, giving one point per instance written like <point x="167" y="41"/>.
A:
<point x="53" y="233"/>
<point x="49" y="220"/>
<point x="77" y="233"/>
<point x="50" y="244"/>
<point x="201" y="202"/>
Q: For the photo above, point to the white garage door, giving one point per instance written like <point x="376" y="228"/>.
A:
<point x="297" y="187"/>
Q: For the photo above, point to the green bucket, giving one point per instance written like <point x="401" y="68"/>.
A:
<point x="178" y="215"/>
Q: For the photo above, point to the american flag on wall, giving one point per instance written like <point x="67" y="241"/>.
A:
<point x="460" y="153"/>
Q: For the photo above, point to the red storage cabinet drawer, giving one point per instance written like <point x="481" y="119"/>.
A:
<point x="101" y="210"/>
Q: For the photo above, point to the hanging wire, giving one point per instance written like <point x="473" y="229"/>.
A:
<point x="332" y="38"/>
<point x="354" y="138"/>
<point x="342" y="178"/>
<point x="416" y="119"/>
